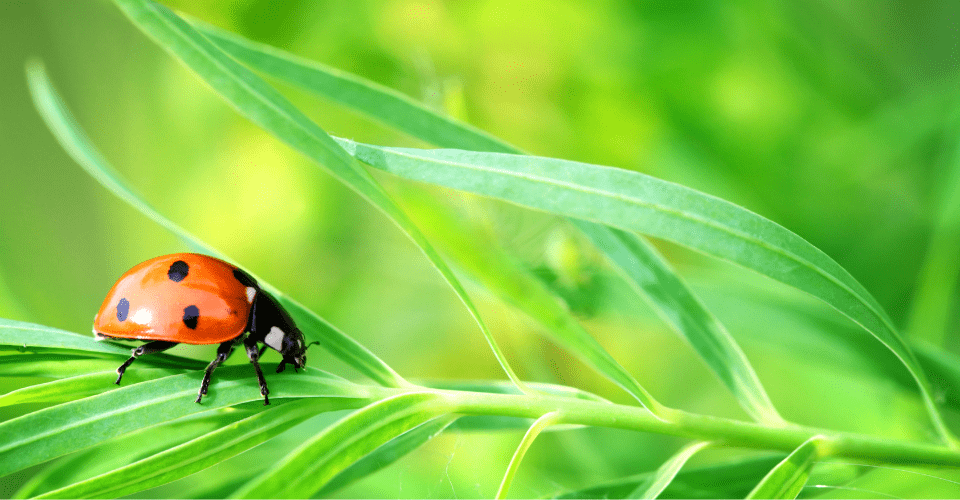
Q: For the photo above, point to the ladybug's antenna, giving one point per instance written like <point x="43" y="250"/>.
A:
<point x="310" y="344"/>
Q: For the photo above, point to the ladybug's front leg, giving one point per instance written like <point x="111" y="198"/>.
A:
<point x="223" y="352"/>
<point x="254" y="354"/>
<point x="148" y="348"/>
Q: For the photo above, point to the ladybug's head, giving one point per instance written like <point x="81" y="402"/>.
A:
<point x="294" y="350"/>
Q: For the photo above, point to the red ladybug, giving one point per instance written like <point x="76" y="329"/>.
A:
<point x="188" y="298"/>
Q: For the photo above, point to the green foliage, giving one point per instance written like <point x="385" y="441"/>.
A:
<point x="81" y="436"/>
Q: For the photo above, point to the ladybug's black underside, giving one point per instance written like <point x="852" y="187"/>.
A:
<point x="266" y="316"/>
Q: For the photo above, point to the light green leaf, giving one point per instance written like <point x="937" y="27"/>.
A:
<point x="118" y="452"/>
<point x="51" y="432"/>
<point x="505" y="277"/>
<point x="375" y="101"/>
<point x="730" y="479"/>
<point x="65" y="128"/>
<point x="389" y="453"/>
<point x="311" y="466"/>
<point x="21" y="336"/>
<point x="538" y="426"/>
<point x="653" y="486"/>
<point x="788" y="477"/>
<point x="397" y="110"/>
<point x="202" y="452"/>
<point x="636" y="202"/>
<point x="266" y="107"/>
<point x="80" y="386"/>
<point x="652" y="278"/>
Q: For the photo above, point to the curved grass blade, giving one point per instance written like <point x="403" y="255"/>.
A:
<point x="730" y="479"/>
<point x="117" y="452"/>
<point x="499" y="273"/>
<point x="538" y="426"/>
<point x="404" y="114"/>
<point x="202" y="452"/>
<point x="380" y="103"/>
<point x="31" y="337"/>
<point x="266" y="107"/>
<point x="55" y="431"/>
<point x="653" y="486"/>
<point x="635" y="202"/>
<point x="652" y="278"/>
<point x="311" y="466"/>
<point x="78" y="387"/>
<point x="788" y="477"/>
<point x="387" y="454"/>
<point x="68" y="132"/>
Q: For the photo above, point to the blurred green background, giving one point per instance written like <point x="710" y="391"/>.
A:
<point x="838" y="120"/>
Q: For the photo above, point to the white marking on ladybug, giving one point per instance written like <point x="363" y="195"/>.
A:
<point x="274" y="339"/>
<point x="251" y="293"/>
<point x="143" y="316"/>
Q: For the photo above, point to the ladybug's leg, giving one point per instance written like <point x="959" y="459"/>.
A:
<point x="148" y="348"/>
<point x="254" y="354"/>
<point x="223" y="352"/>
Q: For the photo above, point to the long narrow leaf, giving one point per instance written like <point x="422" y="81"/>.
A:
<point x="375" y="101"/>
<point x="713" y="343"/>
<point x="77" y="387"/>
<point x="201" y="452"/>
<point x="663" y="476"/>
<point x="388" y="453"/>
<point x="117" y="452"/>
<point x="731" y="479"/>
<point x="266" y="107"/>
<point x="51" y="432"/>
<point x="308" y="468"/>
<point x="528" y="438"/>
<point x="65" y="128"/>
<point x="646" y="271"/>
<point x="636" y="202"/>
<point x="788" y="477"/>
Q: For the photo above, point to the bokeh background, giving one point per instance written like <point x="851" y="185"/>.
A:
<point x="838" y="120"/>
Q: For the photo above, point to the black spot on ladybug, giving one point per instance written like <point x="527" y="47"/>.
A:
<point x="244" y="278"/>
<point x="123" y="307"/>
<point x="190" y="316"/>
<point x="178" y="271"/>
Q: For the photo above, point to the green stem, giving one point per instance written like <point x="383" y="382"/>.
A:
<point x="721" y="431"/>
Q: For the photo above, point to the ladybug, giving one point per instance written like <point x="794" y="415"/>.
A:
<point x="188" y="298"/>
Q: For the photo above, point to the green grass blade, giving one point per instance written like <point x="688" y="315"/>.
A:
<point x="652" y="278"/>
<point x="502" y="275"/>
<point x="265" y="106"/>
<point x="118" y="452"/>
<point x="68" y="132"/>
<point x="21" y="336"/>
<point x="202" y="452"/>
<point x="663" y="476"/>
<point x="538" y="426"/>
<point x="78" y="387"/>
<point x="387" y="454"/>
<point x="637" y="202"/>
<point x="380" y="103"/>
<point x="55" y="431"/>
<point x="311" y="466"/>
<point x="730" y="479"/>
<point x="788" y="477"/>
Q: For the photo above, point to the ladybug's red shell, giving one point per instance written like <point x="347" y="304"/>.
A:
<point x="185" y="298"/>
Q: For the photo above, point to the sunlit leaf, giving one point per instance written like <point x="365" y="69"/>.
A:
<point x="202" y="451"/>
<point x="51" y="432"/>
<point x="538" y="426"/>
<point x="637" y="202"/>
<point x="788" y="477"/>
<point x="311" y="466"/>
<point x="662" y="477"/>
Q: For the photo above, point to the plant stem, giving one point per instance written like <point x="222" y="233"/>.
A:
<point x="722" y="431"/>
